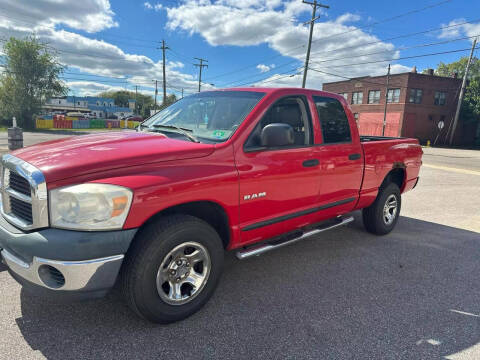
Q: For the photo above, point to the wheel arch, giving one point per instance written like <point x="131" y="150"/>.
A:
<point x="210" y="212"/>
<point x="396" y="175"/>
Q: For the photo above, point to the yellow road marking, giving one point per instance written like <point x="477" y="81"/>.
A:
<point x="446" y="168"/>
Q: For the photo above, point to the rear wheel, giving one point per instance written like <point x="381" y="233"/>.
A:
<point x="172" y="268"/>
<point x="381" y="217"/>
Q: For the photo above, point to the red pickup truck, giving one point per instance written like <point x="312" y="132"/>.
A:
<point x="248" y="169"/>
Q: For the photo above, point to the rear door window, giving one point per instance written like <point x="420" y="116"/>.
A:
<point x="333" y="120"/>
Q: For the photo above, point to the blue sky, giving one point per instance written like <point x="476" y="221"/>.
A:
<point x="108" y="45"/>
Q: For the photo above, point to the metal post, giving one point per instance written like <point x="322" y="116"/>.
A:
<point x="462" y="92"/>
<point x="15" y="136"/>
<point x="312" y="22"/>
<point x="164" y="47"/>
<point x="156" y="92"/>
<point x="386" y="101"/>
<point x="135" y="109"/>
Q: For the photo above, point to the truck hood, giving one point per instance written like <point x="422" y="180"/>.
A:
<point x="80" y="155"/>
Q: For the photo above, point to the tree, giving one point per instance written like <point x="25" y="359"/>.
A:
<point x="31" y="76"/>
<point x="145" y="103"/>
<point x="471" y="101"/>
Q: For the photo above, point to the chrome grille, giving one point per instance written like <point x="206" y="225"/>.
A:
<point x="24" y="194"/>
<point x="21" y="209"/>
<point x="19" y="183"/>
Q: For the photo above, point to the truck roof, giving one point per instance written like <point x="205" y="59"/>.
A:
<point x="270" y="90"/>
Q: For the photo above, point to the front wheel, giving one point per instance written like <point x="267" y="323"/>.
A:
<point x="381" y="217"/>
<point x="172" y="268"/>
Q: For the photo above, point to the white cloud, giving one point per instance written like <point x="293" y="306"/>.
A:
<point x="149" y="6"/>
<point x="264" y="68"/>
<point x="342" y="19"/>
<point x="93" y="56"/>
<point x="88" y="15"/>
<point x="459" y="31"/>
<point x="90" y="88"/>
<point x="250" y="23"/>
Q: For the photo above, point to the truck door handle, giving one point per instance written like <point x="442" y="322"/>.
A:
<point x="354" y="156"/>
<point x="310" y="163"/>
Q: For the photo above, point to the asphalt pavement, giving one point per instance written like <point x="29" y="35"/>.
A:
<point x="346" y="294"/>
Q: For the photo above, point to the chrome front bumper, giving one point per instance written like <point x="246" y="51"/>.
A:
<point x="87" y="275"/>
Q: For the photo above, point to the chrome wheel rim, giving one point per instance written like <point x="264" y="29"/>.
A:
<point x="390" y="209"/>
<point x="183" y="273"/>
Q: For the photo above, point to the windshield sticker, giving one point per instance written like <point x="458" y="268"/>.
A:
<point x="219" y="134"/>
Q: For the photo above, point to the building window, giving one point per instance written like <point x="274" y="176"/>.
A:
<point x="78" y="102"/>
<point x="357" y="97"/>
<point x="374" y="97"/>
<point x="345" y="95"/>
<point x="333" y="120"/>
<point x="415" y="96"/>
<point x="393" y="95"/>
<point x="59" y="101"/>
<point x="440" y="97"/>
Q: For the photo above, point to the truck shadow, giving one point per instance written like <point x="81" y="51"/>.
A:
<point x="412" y="294"/>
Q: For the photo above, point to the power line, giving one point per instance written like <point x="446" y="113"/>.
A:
<point x="265" y="80"/>
<point x="398" y="49"/>
<point x="360" y="45"/>
<point x="399" y="58"/>
<point x="363" y="79"/>
<point x="273" y="69"/>
<point x="338" y="34"/>
<point x="396" y="37"/>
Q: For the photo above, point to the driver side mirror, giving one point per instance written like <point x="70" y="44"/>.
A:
<point x="277" y="135"/>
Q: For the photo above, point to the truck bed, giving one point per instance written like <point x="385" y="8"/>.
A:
<point x="384" y="153"/>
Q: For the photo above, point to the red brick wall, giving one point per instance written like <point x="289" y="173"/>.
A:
<point x="404" y="118"/>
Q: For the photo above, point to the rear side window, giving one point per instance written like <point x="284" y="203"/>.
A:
<point x="333" y="120"/>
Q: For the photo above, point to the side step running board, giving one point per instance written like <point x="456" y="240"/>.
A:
<point x="260" y="249"/>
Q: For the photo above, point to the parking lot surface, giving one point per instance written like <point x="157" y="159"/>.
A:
<point x="346" y="294"/>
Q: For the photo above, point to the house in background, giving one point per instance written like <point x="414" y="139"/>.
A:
<point x="416" y="104"/>
<point x="97" y="106"/>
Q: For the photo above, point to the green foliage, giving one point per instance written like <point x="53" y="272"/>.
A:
<point x="471" y="101"/>
<point x="459" y="68"/>
<point x="169" y="101"/>
<point x="144" y="102"/>
<point x="30" y="77"/>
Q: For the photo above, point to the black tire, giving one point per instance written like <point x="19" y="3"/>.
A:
<point x="149" y="249"/>
<point x="373" y="216"/>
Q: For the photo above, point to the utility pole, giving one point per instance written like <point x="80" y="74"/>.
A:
<point x="164" y="47"/>
<point x="462" y="91"/>
<point x="182" y="93"/>
<point x="156" y="92"/>
<point x="201" y="65"/>
<point x="312" y="22"/>
<point x="386" y="101"/>
<point x="135" y="112"/>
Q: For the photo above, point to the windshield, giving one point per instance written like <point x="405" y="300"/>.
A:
<point x="210" y="116"/>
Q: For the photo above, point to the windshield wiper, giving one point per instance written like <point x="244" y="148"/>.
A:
<point x="183" y="131"/>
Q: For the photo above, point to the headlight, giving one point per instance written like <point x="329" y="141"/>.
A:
<point x="90" y="207"/>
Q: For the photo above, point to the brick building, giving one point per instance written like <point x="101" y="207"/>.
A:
<point x="416" y="104"/>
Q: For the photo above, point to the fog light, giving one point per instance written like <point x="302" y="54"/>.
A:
<point x="51" y="276"/>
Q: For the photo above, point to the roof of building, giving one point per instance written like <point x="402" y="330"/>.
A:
<point x="392" y="75"/>
<point x="89" y="99"/>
